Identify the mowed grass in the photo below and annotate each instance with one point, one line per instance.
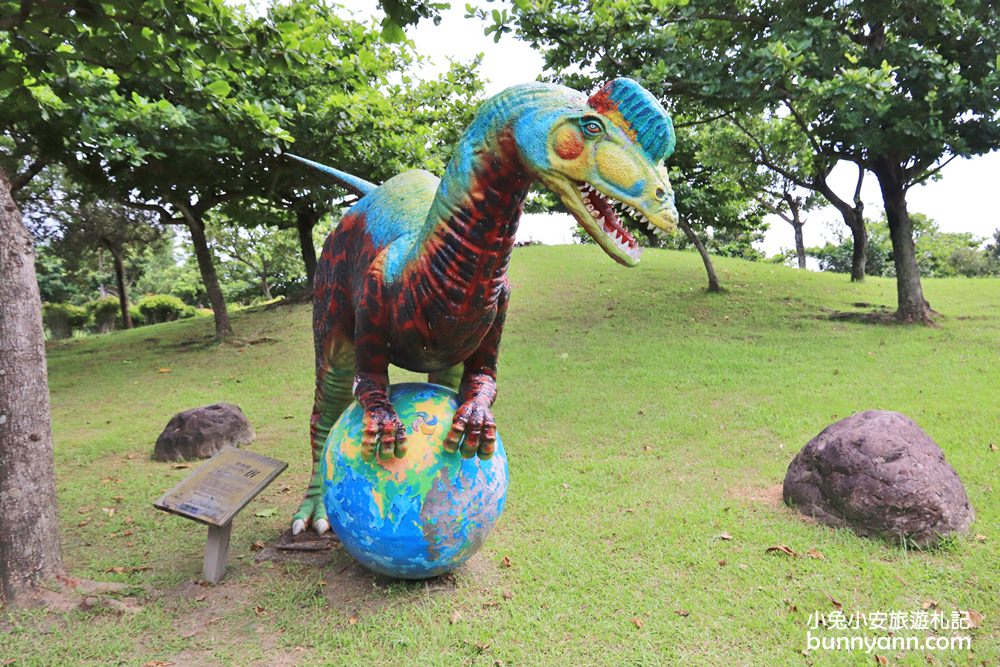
(645, 421)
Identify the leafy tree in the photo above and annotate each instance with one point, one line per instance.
(81, 227)
(260, 256)
(898, 88)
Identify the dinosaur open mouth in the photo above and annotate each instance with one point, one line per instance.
(605, 212)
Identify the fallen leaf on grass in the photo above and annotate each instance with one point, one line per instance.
(682, 612)
(980, 537)
(975, 618)
(353, 620)
(929, 604)
(505, 562)
(637, 622)
(181, 466)
(83, 523)
(836, 605)
(257, 546)
(158, 663)
(993, 447)
(881, 660)
(725, 536)
(508, 595)
(200, 598)
(722, 562)
(481, 646)
(455, 617)
(265, 513)
(492, 604)
(260, 611)
(782, 548)
(164, 370)
(816, 553)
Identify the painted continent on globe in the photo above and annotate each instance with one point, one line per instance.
(420, 515)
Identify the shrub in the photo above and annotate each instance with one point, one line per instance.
(62, 318)
(104, 312)
(157, 308)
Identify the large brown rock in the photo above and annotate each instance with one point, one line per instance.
(201, 432)
(880, 474)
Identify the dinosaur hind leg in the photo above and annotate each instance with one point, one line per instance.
(449, 377)
(334, 379)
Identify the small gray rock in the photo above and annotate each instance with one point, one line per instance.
(880, 474)
(201, 432)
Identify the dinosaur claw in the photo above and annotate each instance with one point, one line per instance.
(322, 526)
(298, 526)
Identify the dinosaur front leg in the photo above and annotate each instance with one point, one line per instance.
(384, 435)
(473, 428)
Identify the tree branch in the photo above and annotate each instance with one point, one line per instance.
(923, 177)
(768, 162)
(29, 173)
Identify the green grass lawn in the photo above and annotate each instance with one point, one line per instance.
(643, 419)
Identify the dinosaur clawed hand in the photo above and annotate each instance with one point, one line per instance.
(473, 430)
(384, 435)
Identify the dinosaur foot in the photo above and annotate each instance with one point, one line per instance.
(311, 513)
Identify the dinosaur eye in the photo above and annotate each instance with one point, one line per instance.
(592, 128)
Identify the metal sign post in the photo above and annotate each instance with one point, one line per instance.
(214, 493)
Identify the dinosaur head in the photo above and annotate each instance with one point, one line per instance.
(607, 152)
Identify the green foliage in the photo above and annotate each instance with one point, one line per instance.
(105, 313)
(258, 263)
(939, 254)
(156, 308)
(61, 319)
(401, 13)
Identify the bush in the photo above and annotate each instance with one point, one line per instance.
(104, 313)
(62, 318)
(157, 308)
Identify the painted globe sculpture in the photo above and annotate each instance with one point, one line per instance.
(420, 515)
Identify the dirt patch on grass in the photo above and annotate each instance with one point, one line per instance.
(358, 592)
(769, 496)
(355, 591)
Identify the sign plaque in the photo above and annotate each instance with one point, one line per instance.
(215, 492)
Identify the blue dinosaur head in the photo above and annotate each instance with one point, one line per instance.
(598, 152)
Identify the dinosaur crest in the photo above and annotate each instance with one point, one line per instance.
(636, 112)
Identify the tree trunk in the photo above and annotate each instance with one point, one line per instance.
(912, 307)
(859, 255)
(265, 288)
(713, 280)
(29, 527)
(122, 290)
(800, 246)
(206, 265)
(854, 218)
(304, 222)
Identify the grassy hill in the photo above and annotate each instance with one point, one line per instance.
(648, 424)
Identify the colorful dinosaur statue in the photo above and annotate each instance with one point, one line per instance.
(416, 272)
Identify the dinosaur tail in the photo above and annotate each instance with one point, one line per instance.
(355, 185)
